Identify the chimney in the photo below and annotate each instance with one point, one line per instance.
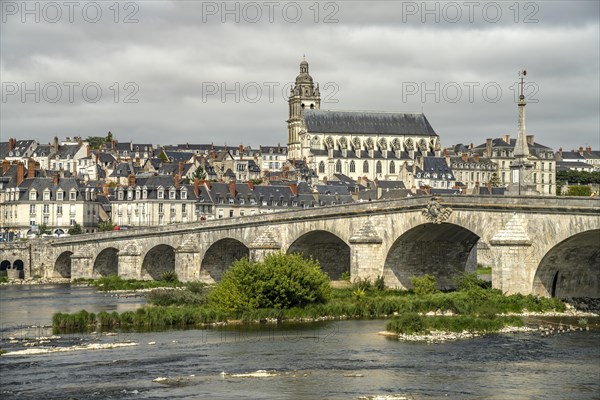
(197, 187)
(20, 173)
(88, 150)
(12, 143)
(5, 166)
(214, 154)
(488, 148)
(31, 169)
(476, 157)
(251, 185)
(529, 140)
(581, 151)
(465, 157)
(241, 151)
(560, 152)
(105, 189)
(113, 145)
(55, 145)
(489, 186)
(588, 149)
(176, 179)
(232, 188)
(294, 188)
(506, 138)
(97, 157)
(56, 178)
(131, 180)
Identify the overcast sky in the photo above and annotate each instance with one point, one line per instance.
(201, 71)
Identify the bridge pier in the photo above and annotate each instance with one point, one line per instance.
(188, 260)
(82, 264)
(130, 262)
(366, 254)
(513, 258)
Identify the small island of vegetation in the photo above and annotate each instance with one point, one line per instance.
(290, 288)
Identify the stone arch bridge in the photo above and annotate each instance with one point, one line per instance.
(548, 246)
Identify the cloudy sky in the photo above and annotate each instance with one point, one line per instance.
(202, 71)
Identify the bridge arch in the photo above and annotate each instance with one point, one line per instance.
(4, 265)
(106, 262)
(332, 252)
(441, 250)
(158, 260)
(62, 265)
(219, 257)
(571, 268)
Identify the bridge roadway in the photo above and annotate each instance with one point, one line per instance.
(548, 246)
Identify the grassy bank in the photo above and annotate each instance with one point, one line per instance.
(113, 282)
(189, 307)
(289, 288)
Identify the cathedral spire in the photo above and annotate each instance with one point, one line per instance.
(521, 148)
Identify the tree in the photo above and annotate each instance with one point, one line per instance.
(109, 137)
(279, 281)
(579, 191)
(199, 173)
(44, 229)
(95, 142)
(75, 229)
(105, 226)
(495, 180)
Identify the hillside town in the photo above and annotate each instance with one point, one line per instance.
(90, 184)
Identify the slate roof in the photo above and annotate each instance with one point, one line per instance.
(20, 149)
(43, 150)
(437, 165)
(367, 122)
(364, 155)
(67, 151)
(391, 184)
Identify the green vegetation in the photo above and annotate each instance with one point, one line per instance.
(424, 285)
(578, 177)
(199, 173)
(113, 282)
(483, 270)
(75, 229)
(413, 323)
(286, 287)
(579, 191)
(105, 226)
(3, 279)
(279, 281)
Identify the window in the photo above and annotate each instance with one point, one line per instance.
(172, 208)
(32, 209)
(59, 195)
(72, 222)
(72, 196)
(120, 195)
(220, 213)
(161, 207)
(378, 167)
(32, 195)
(352, 166)
(47, 195)
(338, 167)
(183, 208)
(171, 194)
(365, 167)
(321, 167)
(46, 208)
(161, 194)
(392, 168)
(230, 213)
(183, 195)
(59, 209)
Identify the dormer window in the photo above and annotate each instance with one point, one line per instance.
(130, 194)
(120, 195)
(145, 193)
(32, 195)
(72, 195)
(184, 194)
(59, 195)
(137, 194)
(161, 194)
(46, 195)
(172, 194)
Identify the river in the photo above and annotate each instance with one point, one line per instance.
(329, 360)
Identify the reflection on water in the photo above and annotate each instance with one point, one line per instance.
(329, 360)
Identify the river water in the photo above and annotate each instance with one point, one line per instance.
(329, 360)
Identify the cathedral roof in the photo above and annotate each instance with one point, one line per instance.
(367, 122)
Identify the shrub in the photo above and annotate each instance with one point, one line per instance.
(408, 323)
(169, 276)
(426, 284)
(363, 284)
(380, 283)
(279, 281)
(345, 276)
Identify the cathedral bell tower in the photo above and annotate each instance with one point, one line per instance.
(304, 95)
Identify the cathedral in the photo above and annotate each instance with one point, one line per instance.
(358, 144)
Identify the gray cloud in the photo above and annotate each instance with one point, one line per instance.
(369, 58)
